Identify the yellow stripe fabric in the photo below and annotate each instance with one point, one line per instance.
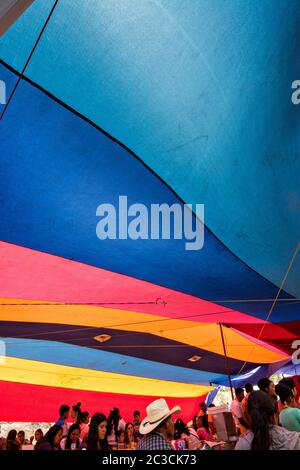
(54, 375)
(201, 335)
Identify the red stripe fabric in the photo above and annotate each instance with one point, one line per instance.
(25, 402)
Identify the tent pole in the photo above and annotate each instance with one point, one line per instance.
(226, 361)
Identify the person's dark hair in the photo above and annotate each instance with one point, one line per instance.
(11, 441)
(285, 393)
(211, 405)
(136, 412)
(195, 426)
(261, 409)
(63, 409)
(68, 440)
(11, 436)
(288, 382)
(39, 431)
(38, 443)
(113, 421)
(22, 433)
(51, 433)
(205, 425)
(77, 409)
(78, 405)
(93, 437)
(82, 416)
(248, 388)
(202, 404)
(238, 391)
(126, 432)
(181, 427)
(264, 383)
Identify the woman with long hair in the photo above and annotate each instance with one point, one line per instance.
(289, 416)
(38, 436)
(12, 442)
(264, 433)
(188, 434)
(52, 438)
(115, 423)
(121, 440)
(97, 437)
(21, 438)
(130, 439)
(72, 441)
(203, 430)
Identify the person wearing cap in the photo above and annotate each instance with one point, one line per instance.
(157, 428)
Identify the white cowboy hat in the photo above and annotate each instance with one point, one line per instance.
(157, 411)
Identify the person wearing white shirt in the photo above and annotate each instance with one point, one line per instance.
(237, 411)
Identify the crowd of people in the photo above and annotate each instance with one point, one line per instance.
(269, 418)
(262, 422)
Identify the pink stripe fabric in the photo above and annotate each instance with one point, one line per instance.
(30, 274)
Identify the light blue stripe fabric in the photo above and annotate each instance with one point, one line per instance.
(76, 356)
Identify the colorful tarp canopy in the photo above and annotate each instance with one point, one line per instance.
(141, 98)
